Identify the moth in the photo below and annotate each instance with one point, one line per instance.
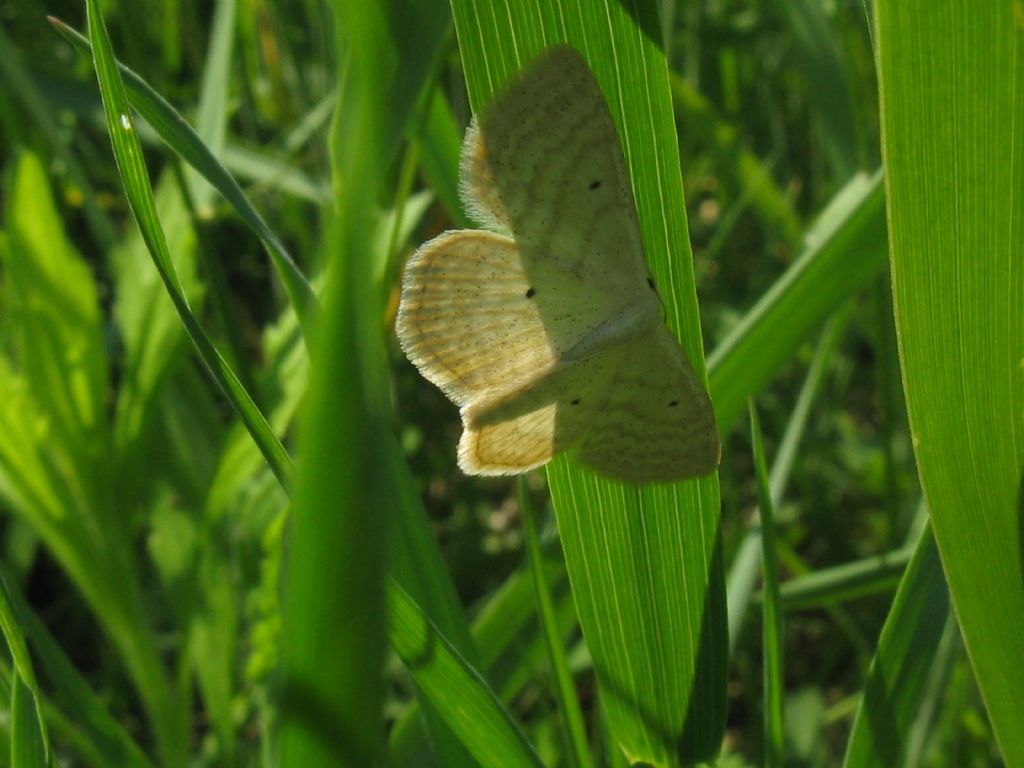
(545, 327)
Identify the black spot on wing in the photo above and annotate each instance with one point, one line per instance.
(530, 293)
(594, 185)
(673, 404)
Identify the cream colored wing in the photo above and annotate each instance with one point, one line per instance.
(478, 326)
(467, 318)
(657, 424)
(543, 161)
(526, 428)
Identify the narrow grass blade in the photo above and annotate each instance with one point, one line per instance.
(180, 137)
(28, 739)
(774, 692)
(848, 581)
(899, 674)
(128, 155)
(30, 745)
(746, 562)
(101, 733)
(458, 692)
(211, 116)
(568, 703)
(508, 647)
(439, 156)
(952, 106)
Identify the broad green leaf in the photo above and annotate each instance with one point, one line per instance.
(644, 563)
(952, 107)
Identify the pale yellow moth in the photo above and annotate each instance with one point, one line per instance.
(545, 329)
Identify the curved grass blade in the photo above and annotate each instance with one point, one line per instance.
(30, 744)
(457, 691)
(139, 193)
(848, 581)
(101, 733)
(28, 736)
(180, 137)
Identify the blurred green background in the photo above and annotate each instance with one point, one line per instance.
(162, 581)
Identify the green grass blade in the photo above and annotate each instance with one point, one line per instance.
(417, 565)
(456, 689)
(746, 563)
(952, 107)
(334, 636)
(128, 155)
(899, 674)
(211, 117)
(644, 564)
(849, 581)
(28, 740)
(774, 691)
(30, 744)
(844, 250)
(100, 733)
(152, 336)
(569, 707)
(509, 648)
(180, 137)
